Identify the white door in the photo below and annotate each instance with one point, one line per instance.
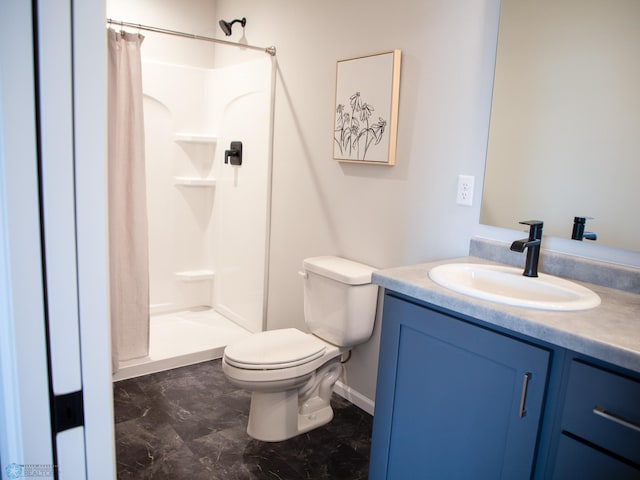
(54, 369)
(25, 436)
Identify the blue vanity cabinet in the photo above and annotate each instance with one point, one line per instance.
(600, 425)
(454, 399)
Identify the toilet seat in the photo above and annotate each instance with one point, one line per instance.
(275, 349)
(285, 355)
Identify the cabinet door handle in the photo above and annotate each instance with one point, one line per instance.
(600, 411)
(523, 396)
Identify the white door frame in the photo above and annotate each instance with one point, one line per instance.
(25, 426)
(25, 423)
(90, 127)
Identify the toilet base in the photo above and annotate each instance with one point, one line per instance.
(278, 416)
(313, 420)
(282, 420)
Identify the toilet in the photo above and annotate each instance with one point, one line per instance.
(290, 373)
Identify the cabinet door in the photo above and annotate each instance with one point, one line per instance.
(454, 400)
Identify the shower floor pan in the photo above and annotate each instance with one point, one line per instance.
(182, 338)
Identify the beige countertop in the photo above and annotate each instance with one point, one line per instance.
(609, 332)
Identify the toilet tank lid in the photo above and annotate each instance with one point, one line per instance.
(340, 269)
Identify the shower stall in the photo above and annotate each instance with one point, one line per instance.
(208, 217)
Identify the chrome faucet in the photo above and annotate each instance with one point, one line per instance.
(532, 244)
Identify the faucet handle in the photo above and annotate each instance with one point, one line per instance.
(535, 228)
(531, 222)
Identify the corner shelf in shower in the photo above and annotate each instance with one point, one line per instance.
(195, 138)
(194, 182)
(195, 275)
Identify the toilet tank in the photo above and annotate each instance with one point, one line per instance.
(339, 300)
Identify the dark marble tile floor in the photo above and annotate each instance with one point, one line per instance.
(189, 423)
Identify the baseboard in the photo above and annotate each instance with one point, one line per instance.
(354, 397)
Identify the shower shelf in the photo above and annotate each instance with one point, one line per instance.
(195, 275)
(194, 182)
(195, 138)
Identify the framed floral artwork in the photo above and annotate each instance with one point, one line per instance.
(366, 108)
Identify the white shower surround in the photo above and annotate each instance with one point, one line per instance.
(208, 222)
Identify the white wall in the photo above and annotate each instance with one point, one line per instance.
(383, 216)
(193, 16)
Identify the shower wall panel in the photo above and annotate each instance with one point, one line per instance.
(208, 222)
(242, 94)
(179, 215)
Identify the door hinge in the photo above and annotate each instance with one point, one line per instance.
(68, 411)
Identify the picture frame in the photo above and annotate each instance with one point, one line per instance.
(366, 108)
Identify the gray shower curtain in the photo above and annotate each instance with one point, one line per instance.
(128, 245)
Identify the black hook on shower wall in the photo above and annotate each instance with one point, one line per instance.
(233, 156)
(226, 26)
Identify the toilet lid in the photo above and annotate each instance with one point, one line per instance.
(274, 349)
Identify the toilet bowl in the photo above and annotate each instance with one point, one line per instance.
(279, 387)
(290, 373)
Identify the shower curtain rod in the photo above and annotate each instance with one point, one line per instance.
(270, 50)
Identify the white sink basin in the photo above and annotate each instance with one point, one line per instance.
(508, 286)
